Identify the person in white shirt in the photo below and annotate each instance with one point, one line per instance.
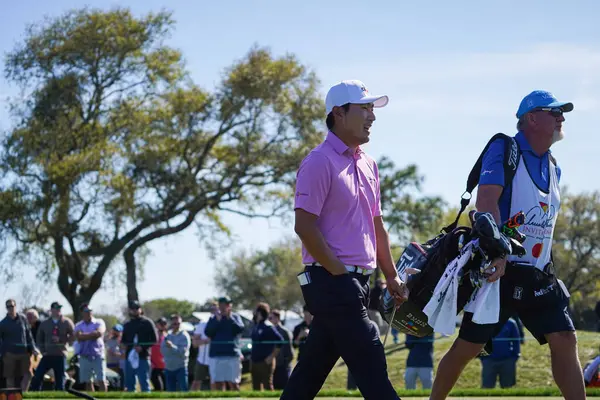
(202, 343)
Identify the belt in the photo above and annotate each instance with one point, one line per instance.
(548, 268)
(350, 268)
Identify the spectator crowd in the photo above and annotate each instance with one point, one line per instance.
(146, 355)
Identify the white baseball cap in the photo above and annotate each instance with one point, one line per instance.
(354, 92)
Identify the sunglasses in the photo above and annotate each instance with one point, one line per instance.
(555, 112)
(10, 306)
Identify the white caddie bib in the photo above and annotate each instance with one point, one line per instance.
(541, 212)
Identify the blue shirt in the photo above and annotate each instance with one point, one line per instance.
(492, 169)
(507, 344)
(421, 351)
(225, 336)
(264, 340)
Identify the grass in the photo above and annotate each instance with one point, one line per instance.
(533, 368)
(539, 392)
(534, 375)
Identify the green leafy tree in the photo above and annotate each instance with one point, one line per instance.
(157, 308)
(576, 252)
(407, 215)
(269, 276)
(115, 147)
(235, 150)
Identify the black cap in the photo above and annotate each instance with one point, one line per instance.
(134, 305)
(161, 320)
(225, 300)
(56, 305)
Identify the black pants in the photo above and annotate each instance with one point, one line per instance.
(54, 363)
(157, 377)
(281, 376)
(340, 328)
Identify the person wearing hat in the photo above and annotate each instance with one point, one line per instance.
(176, 351)
(339, 220)
(529, 287)
(89, 333)
(17, 345)
(53, 336)
(224, 329)
(139, 335)
(114, 356)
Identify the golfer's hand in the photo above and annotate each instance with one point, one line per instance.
(500, 266)
(398, 290)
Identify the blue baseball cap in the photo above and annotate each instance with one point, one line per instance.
(539, 99)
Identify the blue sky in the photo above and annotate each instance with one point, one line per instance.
(455, 73)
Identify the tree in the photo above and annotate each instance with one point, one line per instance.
(33, 295)
(115, 146)
(269, 276)
(232, 151)
(576, 251)
(407, 216)
(157, 308)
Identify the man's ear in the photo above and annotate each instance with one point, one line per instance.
(338, 112)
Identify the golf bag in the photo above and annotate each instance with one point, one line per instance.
(422, 265)
(430, 260)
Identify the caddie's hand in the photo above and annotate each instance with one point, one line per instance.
(496, 269)
(397, 289)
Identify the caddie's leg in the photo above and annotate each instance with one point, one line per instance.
(565, 364)
(566, 368)
(553, 325)
(452, 365)
(471, 339)
(549, 321)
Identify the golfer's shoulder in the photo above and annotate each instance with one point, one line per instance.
(317, 160)
(319, 154)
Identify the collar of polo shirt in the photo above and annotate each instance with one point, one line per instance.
(339, 146)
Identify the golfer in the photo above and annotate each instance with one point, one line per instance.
(338, 218)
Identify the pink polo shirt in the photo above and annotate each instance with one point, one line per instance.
(342, 189)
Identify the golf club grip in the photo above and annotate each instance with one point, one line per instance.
(79, 394)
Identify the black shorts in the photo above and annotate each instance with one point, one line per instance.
(531, 295)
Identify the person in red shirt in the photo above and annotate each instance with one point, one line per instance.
(157, 362)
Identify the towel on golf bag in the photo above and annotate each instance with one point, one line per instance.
(485, 303)
(441, 310)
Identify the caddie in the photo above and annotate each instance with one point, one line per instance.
(529, 287)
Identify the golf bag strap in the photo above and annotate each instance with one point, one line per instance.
(511, 161)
